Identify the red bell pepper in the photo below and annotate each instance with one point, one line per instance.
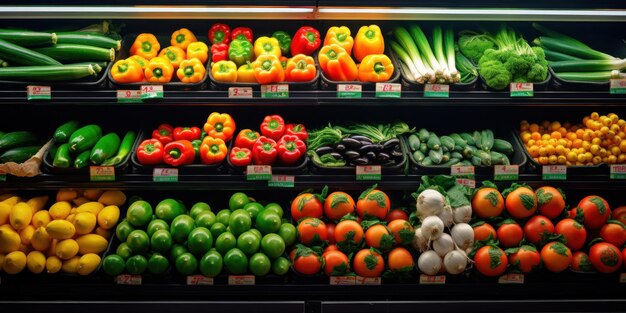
(219, 52)
(306, 40)
(240, 156)
(273, 127)
(187, 133)
(297, 130)
(179, 152)
(265, 151)
(163, 133)
(219, 33)
(150, 152)
(290, 149)
(246, 138)
(242, 31)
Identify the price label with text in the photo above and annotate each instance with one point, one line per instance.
(349, 91)
(258, 172)
(368, 172)
(511, 279)
(388, 90)
(554, 172)
(432, 280)
(618, 86)
(126, 279)
(284, 181)
(622, 278)
(241, 280)
(151, 92)
(462, 171)
(436, 91)
(165, 175)
(240, 92)
(522, 90)
(274, 91)
(129, 96)
(343, 280)
(367, 280)
(506, 172)
(3, 177)
(102, 173)
(38, 92)
(199, 280)
(618, 171)
(471, 183)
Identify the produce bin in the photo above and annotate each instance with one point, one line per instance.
(561, 84)
(538, 86)
(327, 84)
(297, 169)
(89, 83)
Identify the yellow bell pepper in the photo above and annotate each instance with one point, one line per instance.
(145, 45)
(159, 70)
(191, 71)
(198, 50)
(341, 36)
(375, 68)
(174, 54)
(127, 71)
(182, 38)
(245, 74)
(268, 70)
(141, 60)
(224, 71)
(369, 40)
(267, 45)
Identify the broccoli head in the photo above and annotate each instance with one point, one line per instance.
(474, 46)
(518, 65)
(495, 74)
(537, 73)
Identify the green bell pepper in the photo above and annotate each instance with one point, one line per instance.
(196, 147)
(284, 41)
(240, 51)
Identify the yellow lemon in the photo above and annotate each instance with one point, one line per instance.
(71, 218)
(92, 207)
(5, 211)
(80, 201)
(112, 197)
(9, 239)
(67, 249)
(93, 194)
(60, 210)
(88, 263)
(91, 243)
(66, 195)
(41, 218)
(20, 216)
(53, 247)
(38, 203)
(70, 266)
(26, 234)
(14, 262)
(108, 217)
(36, 262)
(106, 233)
(53, 264)
(84, 222)
(60, 229)
(40, 239)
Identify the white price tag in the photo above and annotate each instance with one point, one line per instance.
(275, 91)
(198, 280)
(618, 171)
(285, 181)
(258, 172)
(126, 279)
(622, 278)
(436, 91)
(368, 172)
(165, 175)
(349, 91)
(554, 172)
(102, 173)
(522, 90)
(343, 280)
(388, 90)
(467, 182)
(129, 96)
(241, 280)
(38, 92)
(511, 279)
(462, 171)
(367, 280)
(432, 280)
(618, 86)
(240, 92)
(151, 92)
(506, 172)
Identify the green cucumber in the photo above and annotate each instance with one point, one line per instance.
(63, 133)
(450, 162)
(423, 148)
(414, 142)
(498, 158)
(465, 163)
(445, 158)
(485, 157)
(427, 161)
(69, 53)
(433, 142)
(502, 146)
(85, 138)
(418, 156)
(125, 147)
(469, 139)
(458, 140)
(447, 142)
(62, 158)
(486, 139)
(19, 155)
(47, 73)
(423, 135)
(82, 159)
(105, 148)
(436, 156)
(476, 161)
(28, 38)
(477, 140)
(23, 56)
(88, 39)
(456, 155)
(17, 139)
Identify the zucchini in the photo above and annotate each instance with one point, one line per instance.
(456, 155)
(458, 140)
(446, 157)
(485, 157)
(418, 156)
(465, 163)
(125, 147)
(88, 39)
(77, 53)
(19, 155)
(63, 133)
(105, 148)
(486, 139)
(468, 138)
(28, 38)
(433, 142)
(62, 157)
(3, 63)
(423, 148)
(414, 142)
(82, 159)
(476, 161)
(85, 138)
(423, 135)
(47, 73)
(477, 139)
(447, 142)
(17, 139)
(427, 161)
(451, 162)
(436, 156)
(502, 146)
(102, 64)
(498, 158)
(23, 56)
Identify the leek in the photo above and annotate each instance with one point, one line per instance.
(599, 77)
(558, 56)
(577, 51)
(405, 40)
(588, 65)
(407, 62)
(437, 41)
(448, 44)
(422, 43)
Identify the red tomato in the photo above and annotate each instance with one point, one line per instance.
(368, 263)
(487, 202)
(349, 235)
(556, 256)
(550, 201)
(526, 259)
(575, 233)
(619, 214)
(396, 214)
(338, 204)
(490, 261)
(402, 231)
(335, 263)
(581, 262)
(614, 234)
(306, 205)
(331, 233)
(312, 231)
(596, 211)
(400, 259)
(484, 231)
(330, 248)
(510, 234)
(605, 257)
(521, 202)
(537, 229)
(373, 203)
(306, 261)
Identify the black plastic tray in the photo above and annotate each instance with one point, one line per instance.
(518, 157)
(84, 83)
(561, 84)
(299, 168)
(538, 86)
(327, 84)
(124, 53)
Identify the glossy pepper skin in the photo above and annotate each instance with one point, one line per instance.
(240, 51)
(240, 156)
(191, 71)
(375, 68)
(176, 55)
(196, 148)
(267, 45)
(290, 149)
(340, 35)
(198, 50)
(220, 125)
(300, 68)
(268, 70)
(337, 63)
(219, 33)
(306, 41)
(159, 70)
(146, 46)
(140, 60)
(242, 31)
(127, 71)
(264, 151)
(179, 152)
(245, 74)
(150, 152)
(187, 133)
(297, 130)
(369, 40)
(284, 41)
(246, 138)
(182, 38)
(224, 71)
(219, 52)
(164, 133)
(213, 150)
(273, 127)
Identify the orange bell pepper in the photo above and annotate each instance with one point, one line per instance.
(267, 45)
(267, 69)
(191, 71)
(175, 54)
(245, 74)
(337, 63)
(159, 70)
(375, 68)
(127, 71)
(143, 62)
(213, 150)
(145, 45)
(198, 50)
(300, 68)
(341, 36)
(182, 38)
(220, 125)
(369, 40)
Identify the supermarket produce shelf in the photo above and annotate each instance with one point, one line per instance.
(558, 4)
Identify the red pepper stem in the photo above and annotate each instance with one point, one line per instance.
(240, 155)
(149, 148)
(273, 124)
(290, 145)
(164, 132)
(175, 153)
(267, 147)
(310, 36)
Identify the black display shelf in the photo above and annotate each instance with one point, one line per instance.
(488, 4)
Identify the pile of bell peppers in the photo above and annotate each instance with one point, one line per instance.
(367, 46)
(276, 143)
(184, 59)
(178, 146)
(237, 57)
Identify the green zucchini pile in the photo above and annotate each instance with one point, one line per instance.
(479, 148)
(18, 146)
(78, 147)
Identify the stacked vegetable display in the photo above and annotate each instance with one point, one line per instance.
(68, 236)
(18, 146)
(236, 59)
